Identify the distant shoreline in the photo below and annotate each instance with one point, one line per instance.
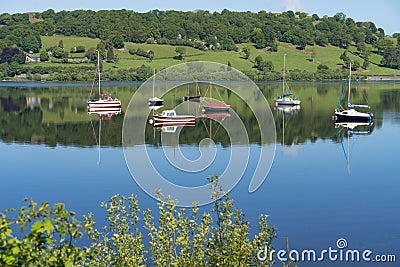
(383, 78)
(7, 83)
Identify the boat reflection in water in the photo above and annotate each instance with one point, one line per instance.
(286, 110)
(351, 129)
(216, 115)
(171, 128)
(152, 107)
(104, 115)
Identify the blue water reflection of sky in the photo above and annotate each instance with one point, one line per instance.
(309, 194)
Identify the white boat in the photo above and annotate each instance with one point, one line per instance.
(287, 99)
(353, 115)
(350, 114)
(169, 116)
(155, 101)
(104, 102)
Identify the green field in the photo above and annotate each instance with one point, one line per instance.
(164, 56)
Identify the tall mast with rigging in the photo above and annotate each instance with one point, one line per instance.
(283, 74)
(98, 69)
(348, 96)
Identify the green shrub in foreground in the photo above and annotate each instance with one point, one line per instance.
(131, 237)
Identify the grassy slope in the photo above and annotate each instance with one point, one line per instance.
(163, 56)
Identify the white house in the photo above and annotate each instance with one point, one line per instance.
(30, 58)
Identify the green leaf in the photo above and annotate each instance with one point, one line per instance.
(48, 226)
(36, 227)
(9, 260)
(15, 250)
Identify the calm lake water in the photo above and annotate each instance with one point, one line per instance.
(326, 182)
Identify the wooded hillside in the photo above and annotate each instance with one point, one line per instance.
(201, 30)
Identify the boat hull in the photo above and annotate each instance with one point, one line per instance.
(104, 110)
(174, 123)
(287, 102)
(160, 119)
(215, 110)
(104, 103)
(104, 106)
(353, 116)
(216, 107)
(156, 102)
(192, 98)
(169, 116)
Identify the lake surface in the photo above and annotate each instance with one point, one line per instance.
(326, 182)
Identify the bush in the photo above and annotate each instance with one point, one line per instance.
(132, 51)
(44, 56)
(78, 49)
(178, 237)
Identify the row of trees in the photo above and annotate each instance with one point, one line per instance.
(264, 71)
(72, 73)
(201, 28)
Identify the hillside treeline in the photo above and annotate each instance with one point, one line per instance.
(199, 29)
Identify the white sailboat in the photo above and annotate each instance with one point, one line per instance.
(104, 103)
(286, 98)
(155, 101)
(170, 117)
(350, 114)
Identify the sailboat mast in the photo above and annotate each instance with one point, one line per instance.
(348, 96)
(154, 79)
(98, 68)
(283, 74)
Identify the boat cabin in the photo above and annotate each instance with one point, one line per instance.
(169, 113)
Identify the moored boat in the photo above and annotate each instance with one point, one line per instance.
(214, 107)
(104, 102)
(287, 99)
(169, 116)
(155, 101)
(350, 114)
